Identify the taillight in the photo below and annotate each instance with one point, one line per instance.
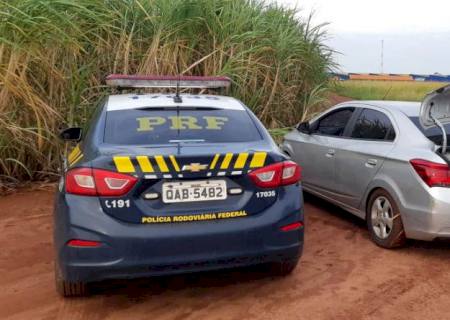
(112, 183)
(98, 182)
(81, 181)
(432, 173)
(277, 174)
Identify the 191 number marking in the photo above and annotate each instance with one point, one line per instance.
(117, 203)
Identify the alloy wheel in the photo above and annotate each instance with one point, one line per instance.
(382, 216)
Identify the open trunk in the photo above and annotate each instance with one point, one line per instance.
(435, 114)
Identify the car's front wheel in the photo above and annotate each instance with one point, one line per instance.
(384, 220)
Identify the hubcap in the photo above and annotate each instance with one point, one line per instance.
(382, 217)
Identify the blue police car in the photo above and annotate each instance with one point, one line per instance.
(170, 183)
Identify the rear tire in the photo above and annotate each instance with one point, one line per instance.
(384, 221)
(69, 288)
(283, 268)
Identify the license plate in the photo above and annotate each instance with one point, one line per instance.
(191, 191)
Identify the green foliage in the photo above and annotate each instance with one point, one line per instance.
(385, 90)
(54, 55)
(278, 133)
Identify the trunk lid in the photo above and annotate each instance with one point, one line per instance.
(435, 106)
(202, 163)
(435, 112)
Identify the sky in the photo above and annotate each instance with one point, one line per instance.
(416, 33)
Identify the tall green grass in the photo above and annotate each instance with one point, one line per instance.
(385, 90)
(54, 55)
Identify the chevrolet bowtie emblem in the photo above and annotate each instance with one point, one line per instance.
(194, 167)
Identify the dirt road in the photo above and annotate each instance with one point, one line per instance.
(342, 275)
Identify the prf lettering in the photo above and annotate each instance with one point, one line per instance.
(181, 123)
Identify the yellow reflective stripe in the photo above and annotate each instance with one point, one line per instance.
(226, 161)
(241, 160)
(145, 164)
(174, 163)
(76, 160)
(258, 159)
(123, 164)
(161, 164)
(75, 153)
(214, 162)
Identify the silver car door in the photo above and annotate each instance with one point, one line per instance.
(315, 154)
(360, 156)
(312, 152)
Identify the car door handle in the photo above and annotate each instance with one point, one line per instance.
(371, 163)
(330, 153)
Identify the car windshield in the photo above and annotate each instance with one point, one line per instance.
(172, 125)
(433, 133)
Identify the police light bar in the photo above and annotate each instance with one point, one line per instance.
(141, 81)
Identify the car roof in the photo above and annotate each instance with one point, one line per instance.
(136, 101)
(410, 109)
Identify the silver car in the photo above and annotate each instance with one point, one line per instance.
(384, 161)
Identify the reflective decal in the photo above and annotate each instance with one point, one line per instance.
(220, 165)
(174, 163)
(161, 163)
(147, 123)
(226, 161)
(241, 160)
(214, 162)
(75, 155)
(112, 204)
(266, 194)
(258, 160)
(194, 217)
(124, 164)
(76, 160)
(184, 122)
(181, 123)
(145, 164)
(215, 123)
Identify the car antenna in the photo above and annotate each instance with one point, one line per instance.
(177, 98)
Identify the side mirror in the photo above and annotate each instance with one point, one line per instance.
(71, 134)
(304, 127)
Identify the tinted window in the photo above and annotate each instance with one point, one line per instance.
(93, 119)
(373, 125)
(433, 133)
(334, 123)
(162, 126)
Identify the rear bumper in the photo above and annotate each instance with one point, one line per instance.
(432, 221)
(126, 267)
(130, 250)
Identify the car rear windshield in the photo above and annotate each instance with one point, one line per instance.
(172, 125)
(434, 133)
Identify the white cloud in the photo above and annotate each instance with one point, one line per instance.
(416, 33)
(378, 16)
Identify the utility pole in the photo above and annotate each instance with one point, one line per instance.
(382, 55)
